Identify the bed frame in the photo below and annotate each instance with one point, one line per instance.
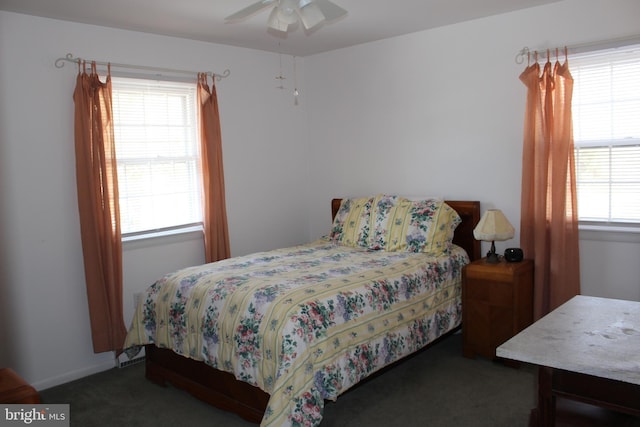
(221, 389)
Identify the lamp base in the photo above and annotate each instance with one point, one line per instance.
(492, 256)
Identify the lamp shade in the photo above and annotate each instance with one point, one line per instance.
(493, 226)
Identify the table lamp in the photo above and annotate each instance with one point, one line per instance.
(493, 226)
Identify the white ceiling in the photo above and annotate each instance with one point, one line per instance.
(367, 20)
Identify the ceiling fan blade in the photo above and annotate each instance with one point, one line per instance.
(249, 10)
(310, 15)
(330, 10)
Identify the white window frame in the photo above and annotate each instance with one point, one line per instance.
(149, 132)
(588, 138)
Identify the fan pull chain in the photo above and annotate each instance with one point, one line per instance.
(296, 93)
(280, 76)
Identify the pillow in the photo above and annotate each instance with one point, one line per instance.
(380, 216)
(413, 226)
(351, 224)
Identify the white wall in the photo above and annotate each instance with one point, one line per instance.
(44, 322)
(609, 264)
(389, 116)
(397, 115)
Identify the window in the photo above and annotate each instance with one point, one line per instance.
(606, 121)
(155, 129)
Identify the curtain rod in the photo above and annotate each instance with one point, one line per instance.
(69, 58)
(579, 48)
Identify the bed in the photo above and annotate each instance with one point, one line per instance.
(303, 325)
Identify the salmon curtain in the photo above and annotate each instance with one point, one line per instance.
(216, 234)
(97, 183)
(549, 217)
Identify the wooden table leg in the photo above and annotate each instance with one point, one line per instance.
(544, 415)
(597, 392)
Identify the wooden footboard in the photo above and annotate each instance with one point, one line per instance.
(221, 389)
(215, 387)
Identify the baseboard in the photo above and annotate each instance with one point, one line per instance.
(73, 375)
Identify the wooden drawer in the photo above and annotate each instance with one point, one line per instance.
(497, 303)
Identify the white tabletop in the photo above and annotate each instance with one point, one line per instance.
(588, 335)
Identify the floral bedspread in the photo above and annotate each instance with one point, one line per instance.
(304, 323)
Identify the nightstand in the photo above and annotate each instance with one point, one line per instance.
(497, 303)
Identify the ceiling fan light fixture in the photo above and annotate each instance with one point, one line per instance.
(286, 14)
(310, 15)
(287, 11)
(275, 23)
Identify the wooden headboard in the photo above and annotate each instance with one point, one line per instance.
(469, 212)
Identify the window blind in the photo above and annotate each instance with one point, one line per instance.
(155, 129)
(606, 120)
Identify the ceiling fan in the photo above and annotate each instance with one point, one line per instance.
(287, 13)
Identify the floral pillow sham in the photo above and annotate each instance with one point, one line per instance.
(351, 224)
(415, 226)
(393, 223)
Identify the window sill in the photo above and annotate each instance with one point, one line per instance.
(609, 233)
(161, 237)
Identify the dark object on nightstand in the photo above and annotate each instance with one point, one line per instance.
(497, 303)
(513, 254)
